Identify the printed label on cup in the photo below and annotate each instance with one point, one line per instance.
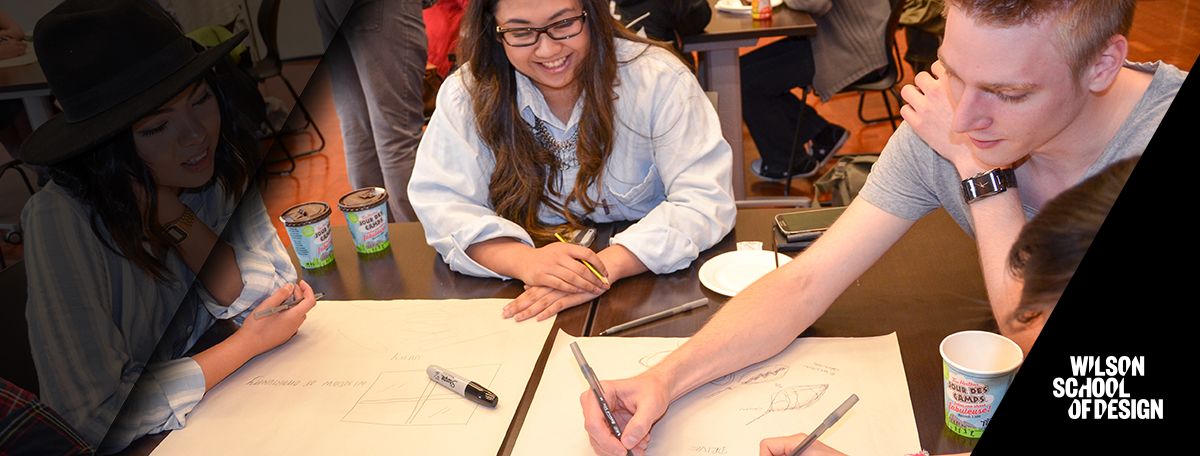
(366, 217)
(307, 225)
(977, 367)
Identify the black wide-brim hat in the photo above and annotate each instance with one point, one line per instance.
(110, 63)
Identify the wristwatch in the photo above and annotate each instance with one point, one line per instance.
(178, 230)
(988, 183)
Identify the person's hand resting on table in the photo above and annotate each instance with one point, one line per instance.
(10, 48)
(545, 301)
(11, 36)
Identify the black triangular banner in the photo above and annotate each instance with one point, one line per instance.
(1130, 297)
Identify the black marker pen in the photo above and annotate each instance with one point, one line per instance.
(465, 388)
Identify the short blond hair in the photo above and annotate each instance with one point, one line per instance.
(1083, 27)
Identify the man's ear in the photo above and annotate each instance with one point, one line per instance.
(1100, 74)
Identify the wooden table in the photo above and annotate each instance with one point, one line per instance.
(27, 83)
(719, 70)
(926, 287)
(410, 269)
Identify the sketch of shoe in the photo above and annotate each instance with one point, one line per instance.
(794, 398)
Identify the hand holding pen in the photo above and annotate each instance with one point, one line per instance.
(635, 404)
(808, 443)
(559, 275)
(262, 334)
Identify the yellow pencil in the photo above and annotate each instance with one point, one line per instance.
(585, 263)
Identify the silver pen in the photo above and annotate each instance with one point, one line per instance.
(282, 307)
(828, 423)
(655, 316)
(594, 383)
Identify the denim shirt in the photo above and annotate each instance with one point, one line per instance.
(106, 336)
(670, 168)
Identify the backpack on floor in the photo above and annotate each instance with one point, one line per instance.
(844, 181)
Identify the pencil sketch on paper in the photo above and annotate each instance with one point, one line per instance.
(794, 398)
(759, 375)
(410, 398)
(423, 327)
(656, 357)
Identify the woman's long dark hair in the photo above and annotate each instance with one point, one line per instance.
(108, 179)
(526, 175)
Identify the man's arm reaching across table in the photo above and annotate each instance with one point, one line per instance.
(756, 324)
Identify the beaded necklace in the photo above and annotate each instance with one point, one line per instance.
(564, 151)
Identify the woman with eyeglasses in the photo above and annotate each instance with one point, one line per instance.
(560, 117)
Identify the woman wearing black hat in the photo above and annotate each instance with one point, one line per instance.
(148, 161)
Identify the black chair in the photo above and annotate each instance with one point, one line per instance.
(16, 357)
(892, 74)
(14, 235)
(272, 66)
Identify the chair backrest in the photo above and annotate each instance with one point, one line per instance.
(268, 26)
(16, 357)
(893, 48)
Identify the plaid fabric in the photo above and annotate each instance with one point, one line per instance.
(29, 427)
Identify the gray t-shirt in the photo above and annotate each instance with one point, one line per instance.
(911, 180)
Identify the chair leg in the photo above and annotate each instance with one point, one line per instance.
(308, 121)
(288, 157)
(796, 145)
(287, 153)
(891, 117)
(307, 117)
(899, 104)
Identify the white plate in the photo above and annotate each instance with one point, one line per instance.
(736, 6)
(728, 273)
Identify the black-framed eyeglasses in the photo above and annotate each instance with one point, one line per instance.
(528, 36)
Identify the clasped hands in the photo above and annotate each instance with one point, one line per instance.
(556, 279)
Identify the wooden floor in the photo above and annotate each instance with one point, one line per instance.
(1167, 30)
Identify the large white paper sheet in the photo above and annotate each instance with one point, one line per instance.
(352, 381)
(789, 393)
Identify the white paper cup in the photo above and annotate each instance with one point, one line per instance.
(977, 367)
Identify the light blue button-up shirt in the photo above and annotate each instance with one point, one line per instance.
(95, 319)
(670, 168)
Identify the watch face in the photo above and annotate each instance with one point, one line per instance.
(177, 234)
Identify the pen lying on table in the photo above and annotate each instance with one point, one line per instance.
(655, 316)
(285, 306)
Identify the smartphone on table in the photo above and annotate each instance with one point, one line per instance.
(808, 224)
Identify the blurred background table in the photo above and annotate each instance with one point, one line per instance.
(718, 68)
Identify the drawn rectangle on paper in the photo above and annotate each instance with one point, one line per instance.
(789, 393)
(353, 381)
(410, 398)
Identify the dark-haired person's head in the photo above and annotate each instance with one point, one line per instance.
(1051, 246)
(568, 51)
(144, 111)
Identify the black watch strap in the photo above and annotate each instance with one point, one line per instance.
(988, 183)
